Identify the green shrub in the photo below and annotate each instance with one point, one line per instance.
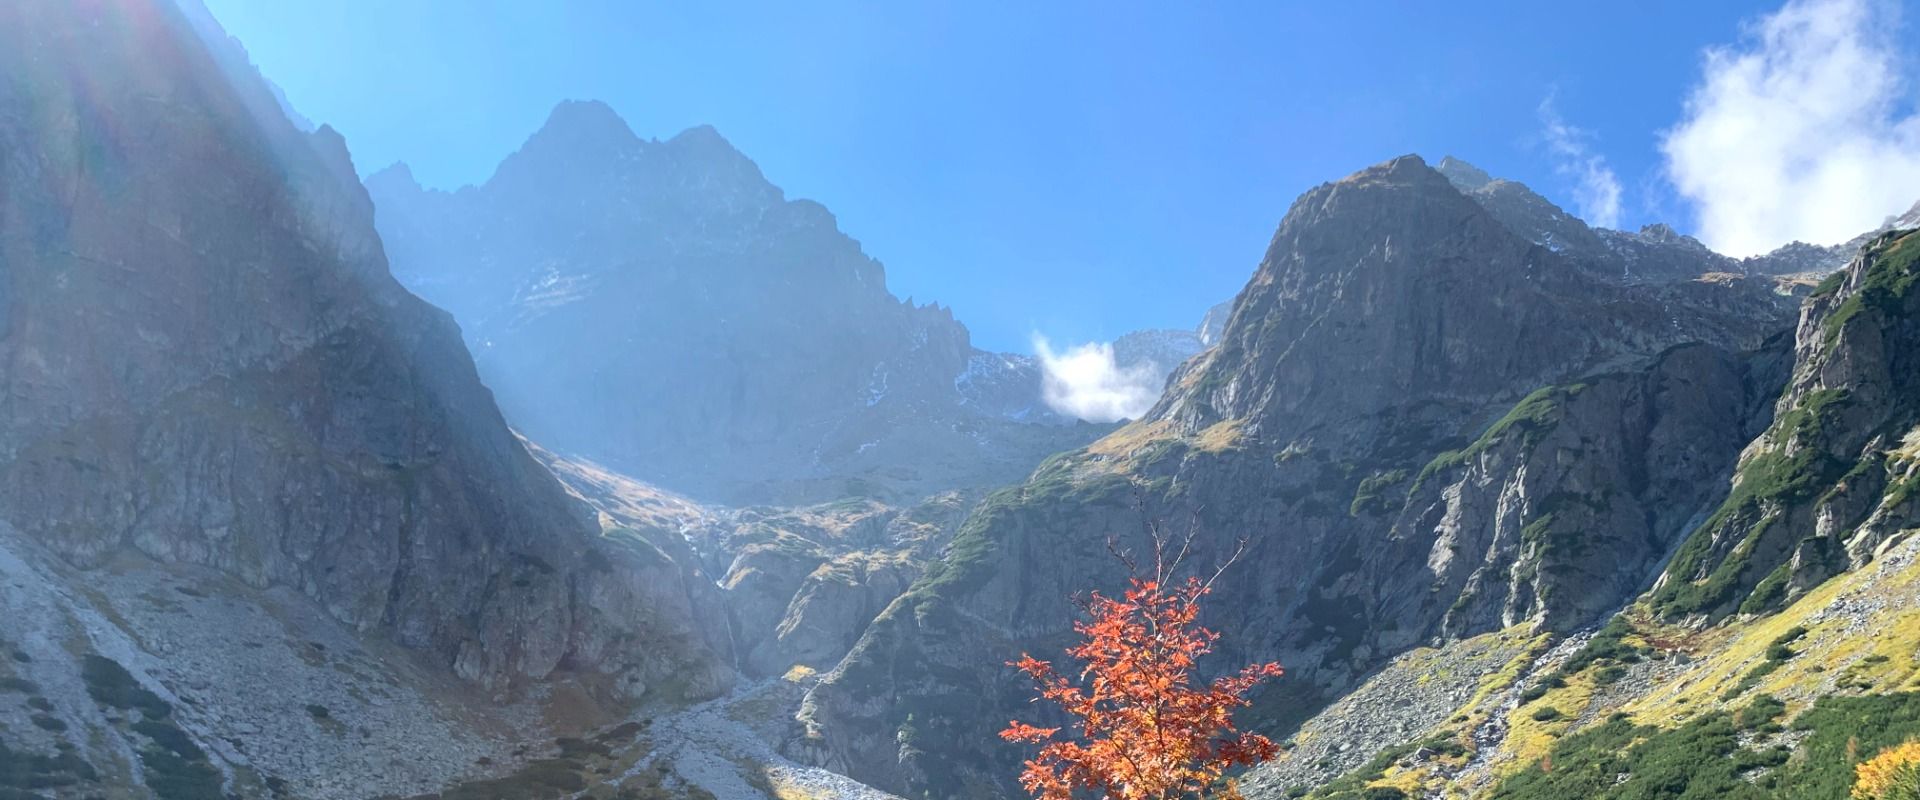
(174, 777)
(109, 684)
(1608, 648)
(170, 738)
(1533, 417)
(1704, 759)
(1371, 496)
(1790, 473)
(21, 772)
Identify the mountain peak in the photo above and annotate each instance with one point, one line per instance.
(586, 115)
(702, 136)
(578, 139)
(393, 176)
(1408, 165)
(1465, 176)
(1659, 230)
(576, 125)
(1409, 171)
(705, 144)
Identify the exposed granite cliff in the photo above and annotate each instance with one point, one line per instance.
(204, 363)
(1783, 635)
(1366, 423)
(1823, 488)
(660, 307)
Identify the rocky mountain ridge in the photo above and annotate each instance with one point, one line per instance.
(1163, 350)
(1655, 252)
(1418, 498)
(1775, 650)
(1822, 489)
(660, 307)
(242, 469)
(1532, 509)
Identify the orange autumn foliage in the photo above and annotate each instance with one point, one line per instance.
(1894, 774)
(1143, 729)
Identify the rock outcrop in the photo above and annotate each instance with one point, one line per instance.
(1366, 424)
(1573, 500)
(1782, 629)
(660, 307)
(1823, 488)
(792, 587)
(205, 363)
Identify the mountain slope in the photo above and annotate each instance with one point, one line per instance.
(1824, 487)
(209, 376)
(1369, 422)
(1776, 651)
(659, 307)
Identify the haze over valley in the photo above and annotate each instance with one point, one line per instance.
(619, 471)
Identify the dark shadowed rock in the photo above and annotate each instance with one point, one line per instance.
(206, 362)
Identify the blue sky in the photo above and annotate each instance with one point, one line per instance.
(1071, 169)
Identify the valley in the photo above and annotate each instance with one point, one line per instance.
(624, 475)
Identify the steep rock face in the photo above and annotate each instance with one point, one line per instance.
(788, 587)
(1828, 483)
(803, 583)
(834, 605)
(658, 306)
(1390, 288)
(206, 362)
(234, 61)
(1526, 213)
(1574, 498)
(1357, 425)
(1813, 547)
(1214, 324)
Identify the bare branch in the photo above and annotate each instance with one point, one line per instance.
(1113, 546)
(1239, 549)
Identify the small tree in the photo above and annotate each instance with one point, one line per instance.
(1143, 729)
(1894, 774)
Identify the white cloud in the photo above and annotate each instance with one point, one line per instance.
(1797, 132)
(1596, 192)
(1084, 381)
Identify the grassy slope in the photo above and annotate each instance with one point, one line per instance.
(1667, 711)
(1675, 711)
(1793, 473)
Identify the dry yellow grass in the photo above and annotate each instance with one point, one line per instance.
(1220, 436)
(1909, 449)
(1130, 438)
(1832, 647)
(1529, 739)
